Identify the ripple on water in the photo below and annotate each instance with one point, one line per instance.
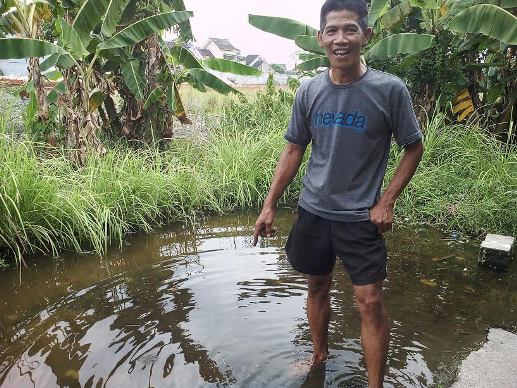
(202, 308)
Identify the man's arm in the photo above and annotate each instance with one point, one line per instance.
(285, 171)
(382, 213)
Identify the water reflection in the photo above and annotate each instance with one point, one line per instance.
(201, 307)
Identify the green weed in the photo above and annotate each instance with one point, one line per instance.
(467, 181)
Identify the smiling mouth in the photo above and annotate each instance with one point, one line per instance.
(341, 52)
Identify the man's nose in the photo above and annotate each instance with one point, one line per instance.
(340, 37)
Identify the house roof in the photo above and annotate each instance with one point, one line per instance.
(223, 44)
(257, 63)
(250, 59)
(206, 53)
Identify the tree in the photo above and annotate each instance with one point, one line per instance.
(24, 19)
(105, 47)
(424, 41)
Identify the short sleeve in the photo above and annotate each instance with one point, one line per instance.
(298, 130)
(404, 123)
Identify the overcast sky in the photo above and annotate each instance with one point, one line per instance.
(228, 19)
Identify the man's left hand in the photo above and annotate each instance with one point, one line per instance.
(381, 215)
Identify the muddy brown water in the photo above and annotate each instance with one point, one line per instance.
(200, 307)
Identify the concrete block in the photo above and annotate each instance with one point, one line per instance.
(496, 251)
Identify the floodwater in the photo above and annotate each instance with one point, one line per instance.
(200, 307)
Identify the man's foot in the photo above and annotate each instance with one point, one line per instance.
(315, 378)
(318, 360)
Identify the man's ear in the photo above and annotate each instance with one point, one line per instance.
(367, 36)
(319, 39)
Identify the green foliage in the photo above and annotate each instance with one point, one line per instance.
(436, 71)
(227, 66)
(467, 181)
(268, 109)
(36, 129)
(16, 48)
(286, 28)
(397, 44)
(141, 29)
(487, 19)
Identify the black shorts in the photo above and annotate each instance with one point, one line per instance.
(314, 242)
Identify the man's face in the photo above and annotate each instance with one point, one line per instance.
(342, 38)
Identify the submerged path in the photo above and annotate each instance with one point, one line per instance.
(494, 365)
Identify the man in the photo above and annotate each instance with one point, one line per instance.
(350, 114)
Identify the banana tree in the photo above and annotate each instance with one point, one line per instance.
(178, 65)
(149, 78)
(422, 39)
(23, 19)
(100, 47)
(441, 26)
(80, 51)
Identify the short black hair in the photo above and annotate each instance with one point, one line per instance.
(357, 6)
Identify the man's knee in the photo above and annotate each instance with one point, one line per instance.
(370, 303)
(319, 286)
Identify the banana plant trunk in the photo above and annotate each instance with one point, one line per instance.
(81, 124)
(151, 72)
(39, 88)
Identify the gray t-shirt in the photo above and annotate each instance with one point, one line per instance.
(350, 127)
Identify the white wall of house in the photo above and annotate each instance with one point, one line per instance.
(218, 53)
(234, 79)
(14, 67)
(214, 49)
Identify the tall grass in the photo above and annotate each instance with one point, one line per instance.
(467, 181)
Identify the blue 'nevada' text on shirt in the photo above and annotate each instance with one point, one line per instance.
(355, 120)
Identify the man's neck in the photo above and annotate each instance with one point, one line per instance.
(347, 76)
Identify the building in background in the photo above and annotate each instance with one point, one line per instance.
(14, 68)
(222, 48)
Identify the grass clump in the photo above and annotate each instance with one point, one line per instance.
(467, 181)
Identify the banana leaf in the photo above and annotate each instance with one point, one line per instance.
(154, 96)
(488, 20)
(17, 48)
(377, 9)
(89, 16)
(71, 40)
(226, 66)
(313, 64)
(140, 30)
(62, 61)
(424, 4)
(309, 43)
(112, 16)
(176, 105)
(396, 14)
(286, 28)
(397, 44)
(185, 28)
(210, 80)
(133, 78)
(185, 58)
(96, 99)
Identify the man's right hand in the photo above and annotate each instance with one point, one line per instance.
(264, 224)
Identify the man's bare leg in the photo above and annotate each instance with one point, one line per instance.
(375, 331)
(318, 314)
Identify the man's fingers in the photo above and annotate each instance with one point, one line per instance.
(256, 233)
(384, 227)
(269, 230)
